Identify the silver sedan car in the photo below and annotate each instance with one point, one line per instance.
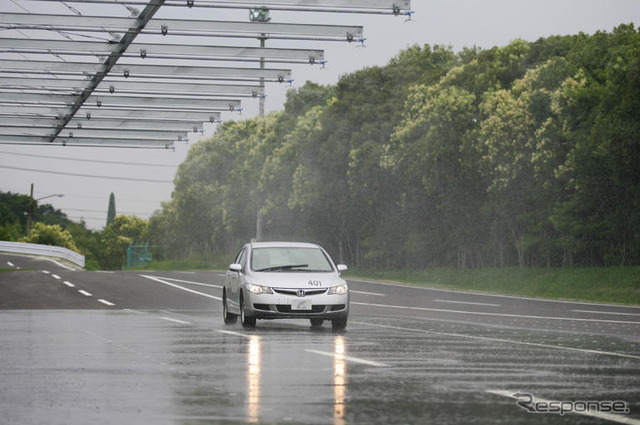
(285, 280)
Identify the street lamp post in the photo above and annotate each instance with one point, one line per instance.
(32, 206)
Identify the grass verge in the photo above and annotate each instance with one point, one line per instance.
(616, 285)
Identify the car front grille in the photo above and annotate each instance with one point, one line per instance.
(294, 292)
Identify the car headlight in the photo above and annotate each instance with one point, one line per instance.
(258, 289)
(338, 290)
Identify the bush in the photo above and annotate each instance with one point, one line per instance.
(44, 234)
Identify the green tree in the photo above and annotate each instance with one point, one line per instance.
(88, 243)
(599, 107)
(10, 231)
(14, 209)
(111, 212)
(116, 238)
(434, 145)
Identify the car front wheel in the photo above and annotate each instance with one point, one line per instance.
(339, 324)
(316, 322)
(247, 322)
(229, 318)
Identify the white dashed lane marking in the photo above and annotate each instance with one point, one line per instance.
(351, 359)
(605, 312)
(169, 319)
(234, 334)
(366, 293)
(83, 292)
(482, 313)
(500, 340)
(468, 303)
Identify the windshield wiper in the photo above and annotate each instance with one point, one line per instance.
(283, 268)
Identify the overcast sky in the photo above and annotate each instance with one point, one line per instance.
(142, 179)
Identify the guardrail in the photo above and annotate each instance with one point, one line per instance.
(45, 250)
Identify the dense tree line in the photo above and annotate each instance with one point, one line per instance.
(527, 155)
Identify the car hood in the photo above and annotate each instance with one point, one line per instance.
(297, 280)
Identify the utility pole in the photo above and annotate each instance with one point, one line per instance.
(30, 210)
(32, 206)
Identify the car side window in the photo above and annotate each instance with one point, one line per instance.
(242, 258)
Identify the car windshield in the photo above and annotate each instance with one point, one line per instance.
(289, 259)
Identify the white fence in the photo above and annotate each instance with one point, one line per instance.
(45, 250)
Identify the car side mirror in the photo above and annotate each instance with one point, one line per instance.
(235, 268)
(342, 268)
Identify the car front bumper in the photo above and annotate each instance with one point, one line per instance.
(277, 306)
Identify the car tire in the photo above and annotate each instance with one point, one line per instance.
(229, 318)
(316, 322)
(247, 321)
(339, 324)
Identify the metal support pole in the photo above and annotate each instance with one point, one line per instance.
(263, 38)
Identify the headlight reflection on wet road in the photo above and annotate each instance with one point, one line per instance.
(254, 379)
(339, 381)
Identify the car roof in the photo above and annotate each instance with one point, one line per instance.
(283, 244)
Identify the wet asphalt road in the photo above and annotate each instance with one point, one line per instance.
(150, 347)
